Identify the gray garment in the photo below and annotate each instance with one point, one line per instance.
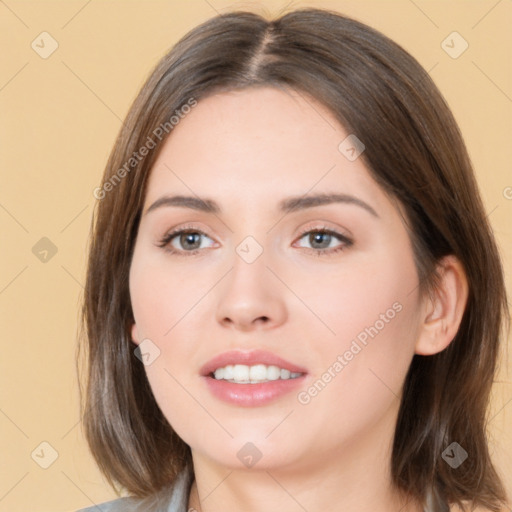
(172, 499)
(176, 500)
(436, 503)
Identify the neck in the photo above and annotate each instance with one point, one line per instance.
(354, 478)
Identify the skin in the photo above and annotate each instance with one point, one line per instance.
(248, 150)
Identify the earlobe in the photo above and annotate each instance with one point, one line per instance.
(443, 312)
(135, 334)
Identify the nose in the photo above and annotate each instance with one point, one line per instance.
(251, 297)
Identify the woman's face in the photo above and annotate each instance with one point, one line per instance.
(341, 308)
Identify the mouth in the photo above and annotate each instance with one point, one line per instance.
(251, 378)
(255, 374)
(245, 367)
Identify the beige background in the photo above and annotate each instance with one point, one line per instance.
(59, 118)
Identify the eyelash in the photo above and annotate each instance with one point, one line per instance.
(165, 241)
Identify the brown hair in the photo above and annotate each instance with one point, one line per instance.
(413, 149)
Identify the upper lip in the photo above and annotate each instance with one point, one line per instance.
(249, 358)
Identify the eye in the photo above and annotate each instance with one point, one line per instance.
(323, 237)
(187, 237)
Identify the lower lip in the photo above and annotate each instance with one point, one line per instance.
(252, 395)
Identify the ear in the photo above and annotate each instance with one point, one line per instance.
(442, 313)
(135, 334)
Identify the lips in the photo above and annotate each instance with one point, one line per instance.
(248, 358)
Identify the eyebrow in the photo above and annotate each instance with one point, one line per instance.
(288, 205)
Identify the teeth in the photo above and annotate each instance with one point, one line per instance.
(243, 374)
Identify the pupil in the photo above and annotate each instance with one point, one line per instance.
(320, 235)
(189, 237)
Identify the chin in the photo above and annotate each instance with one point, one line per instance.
(246, 453)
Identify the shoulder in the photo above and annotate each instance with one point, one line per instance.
(170, 499)
(455, 508)
(117, 505)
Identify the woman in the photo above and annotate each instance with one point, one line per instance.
(255, 369)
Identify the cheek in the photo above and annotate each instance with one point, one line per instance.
(360, 370)
(368, 311)
(164, 303)
(161, 296)
(361, 294)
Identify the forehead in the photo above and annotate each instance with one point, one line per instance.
(258, 143)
